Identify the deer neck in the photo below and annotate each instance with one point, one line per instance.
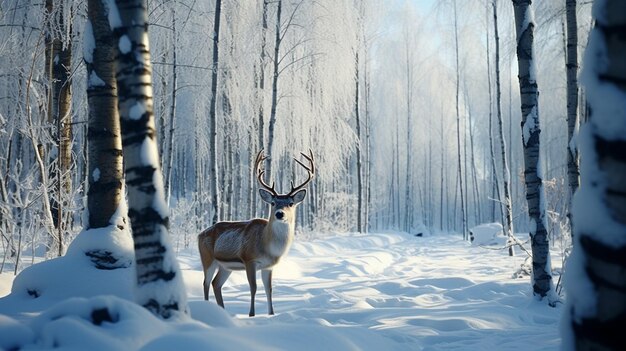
(278, 236)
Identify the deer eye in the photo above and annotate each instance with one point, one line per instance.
(291, 204)
(273, 203)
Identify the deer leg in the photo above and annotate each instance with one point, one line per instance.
(251, 273)
(266, 276)
(208, 275)
(218, 282)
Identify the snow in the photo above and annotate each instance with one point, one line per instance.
(95, 80)
(530, 125)
(124, 44)
(96, 174)
(488, 234)
(380, 291)
(89, 42)
(115, 21)
(150, 157)
(137, 110)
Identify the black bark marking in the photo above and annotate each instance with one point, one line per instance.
(97, 133)
(164, 310)
(106, 260)
(104, 187)
(156, 274)
(600, 335)
(102, 315)
(611, 149)
(142, 179)
(603, 252)
(144, 221)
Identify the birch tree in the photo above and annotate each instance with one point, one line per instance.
(278, 37)
(58, 68)
(359, 161)
(458, 125)
(160, 287)
(105, 140)
(213, 174)
(508, 204)
(596, 284)
(572, 95)
(541, 278)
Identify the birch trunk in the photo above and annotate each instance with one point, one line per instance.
(368, 167)
(596, 287)
(508, 206)
(458, 126)
(272, 121)
(160, 287)
(359, 171)
(573, 173)
(105, 172)
(496, 183)
(541, 272)
(172, 114)
(213, 175)
(58, 68)
(408, 184)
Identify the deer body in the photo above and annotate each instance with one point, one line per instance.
(253, 245)
(232, 244)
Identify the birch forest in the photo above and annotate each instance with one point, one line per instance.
(411, 108)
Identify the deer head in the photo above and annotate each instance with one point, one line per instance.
(283, 205)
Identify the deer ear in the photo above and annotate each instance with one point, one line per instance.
(299, 196)
(266, 196)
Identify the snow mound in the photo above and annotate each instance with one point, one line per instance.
(487, 234)
(109, 323)
(98, 262)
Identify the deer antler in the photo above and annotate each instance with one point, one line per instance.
(260, 157)
(310, 169)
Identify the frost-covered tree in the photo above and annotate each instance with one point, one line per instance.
(573, 172)
(58, 66)
(458, 126)
(506, 174)
(529, 95)
(596, 273)
(213, 168)
(160, 287)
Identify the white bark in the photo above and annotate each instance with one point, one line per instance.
(542, 272)
(160, 287)
(596, 284)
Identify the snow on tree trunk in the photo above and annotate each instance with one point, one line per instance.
(160, 287)
(541, 278)
(596, 271)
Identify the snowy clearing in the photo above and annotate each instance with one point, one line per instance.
(349, 291)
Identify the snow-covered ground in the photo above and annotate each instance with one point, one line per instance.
(383, 291)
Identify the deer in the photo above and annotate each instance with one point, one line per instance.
(256, 244)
